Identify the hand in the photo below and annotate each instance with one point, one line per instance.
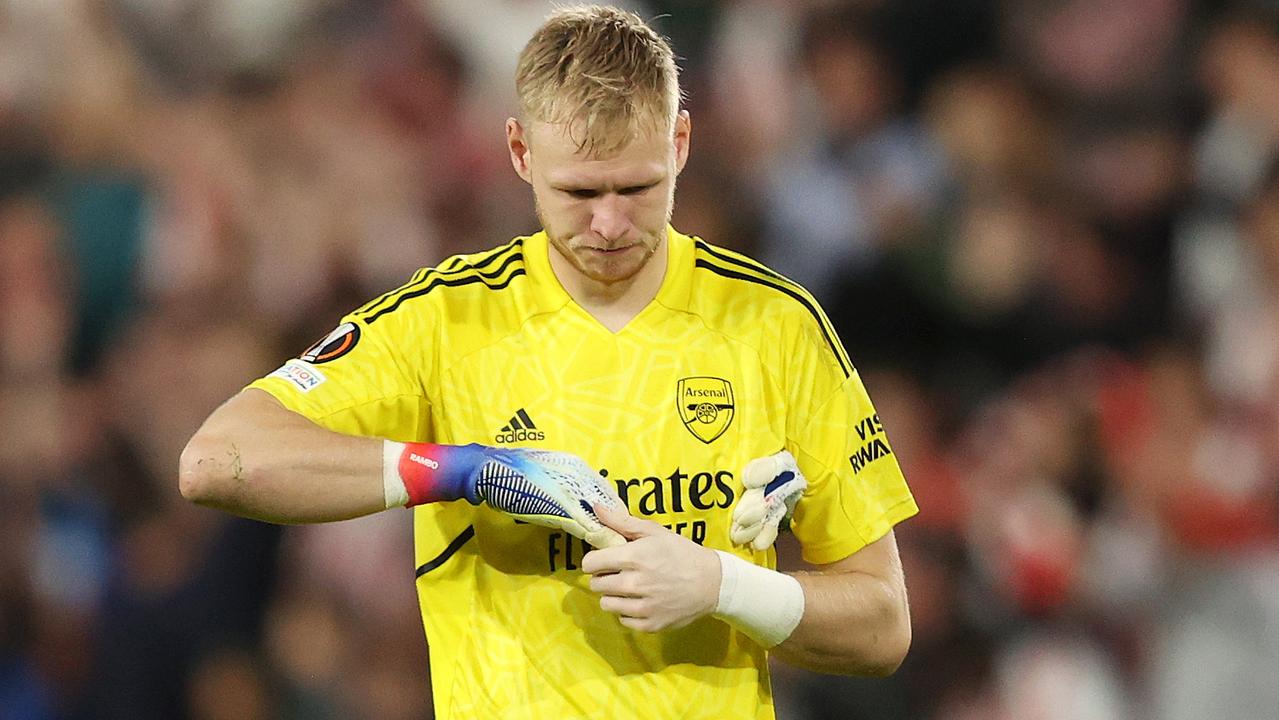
(773, 485)
(656, 581)
(552, 489)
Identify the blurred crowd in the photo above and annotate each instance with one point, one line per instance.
(1046, 230)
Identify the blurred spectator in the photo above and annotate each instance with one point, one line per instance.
(857, 175)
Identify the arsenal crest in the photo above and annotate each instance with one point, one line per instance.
(705, 405)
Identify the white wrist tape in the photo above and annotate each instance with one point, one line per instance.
(764, 604)
(393, 490)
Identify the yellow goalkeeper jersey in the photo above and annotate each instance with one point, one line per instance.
(729, 362)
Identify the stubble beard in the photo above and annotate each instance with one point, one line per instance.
(563, 244)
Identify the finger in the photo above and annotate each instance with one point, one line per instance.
(751, 508)
(742, 534)
(608, 560)
(759, 472)
(604, 538)
(568, 525)
(586, 525)
(766, 537)
(614, 584)
(625, 524)
(610, 489)
(627, 607)
(599, 536)
(640, 624)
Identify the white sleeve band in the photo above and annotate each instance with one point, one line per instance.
(764, 604)
(393, 489)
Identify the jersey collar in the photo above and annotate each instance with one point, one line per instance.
(673, 294)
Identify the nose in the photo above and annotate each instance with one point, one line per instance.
(609, 218)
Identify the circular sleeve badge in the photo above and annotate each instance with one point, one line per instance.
(334, 345)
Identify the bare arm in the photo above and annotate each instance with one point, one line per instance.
(256, 458)
(856, 619)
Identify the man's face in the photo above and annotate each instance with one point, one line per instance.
(605, 215)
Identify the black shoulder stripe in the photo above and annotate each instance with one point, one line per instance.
(455, 265)
(417, 277)
(446, 282)
(783, 288)
(448, 552)
(485, 272)
(746, 263)
(740, 261)
(515, 248)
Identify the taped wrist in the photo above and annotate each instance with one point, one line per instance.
(418, 473)
(764, 604)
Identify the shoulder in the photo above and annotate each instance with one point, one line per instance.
(720, 271)
(457, 282)
(738, 295)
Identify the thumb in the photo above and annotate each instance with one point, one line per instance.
(766, 537)
(760, 471)
(625, 524)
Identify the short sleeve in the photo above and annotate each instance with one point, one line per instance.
(856, 491)
(364, 377)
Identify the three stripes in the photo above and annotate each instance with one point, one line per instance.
(519, 421)
(488, 269)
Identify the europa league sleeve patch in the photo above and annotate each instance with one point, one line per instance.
(334, 345)
(305, 377)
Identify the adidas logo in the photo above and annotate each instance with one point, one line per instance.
(519, 429)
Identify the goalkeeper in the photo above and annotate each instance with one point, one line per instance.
(599, 428)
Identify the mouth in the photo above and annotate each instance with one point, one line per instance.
(610, 251)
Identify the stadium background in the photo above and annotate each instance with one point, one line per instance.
(1047, 231)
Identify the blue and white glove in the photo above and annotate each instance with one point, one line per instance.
(543, 487)
(773, 485)
(553, 489)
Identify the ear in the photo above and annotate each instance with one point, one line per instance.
(683, 130)
(517, 143)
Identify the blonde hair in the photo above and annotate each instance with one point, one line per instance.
(602, 73)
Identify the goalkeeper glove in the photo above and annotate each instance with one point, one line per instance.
(773, 485)
(547, 488)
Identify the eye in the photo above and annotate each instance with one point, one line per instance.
(636, 189)
(582, 193)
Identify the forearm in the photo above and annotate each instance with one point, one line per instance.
(853, 624)
(282, 467)
(849, 617)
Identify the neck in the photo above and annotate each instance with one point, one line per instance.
(613, 304)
